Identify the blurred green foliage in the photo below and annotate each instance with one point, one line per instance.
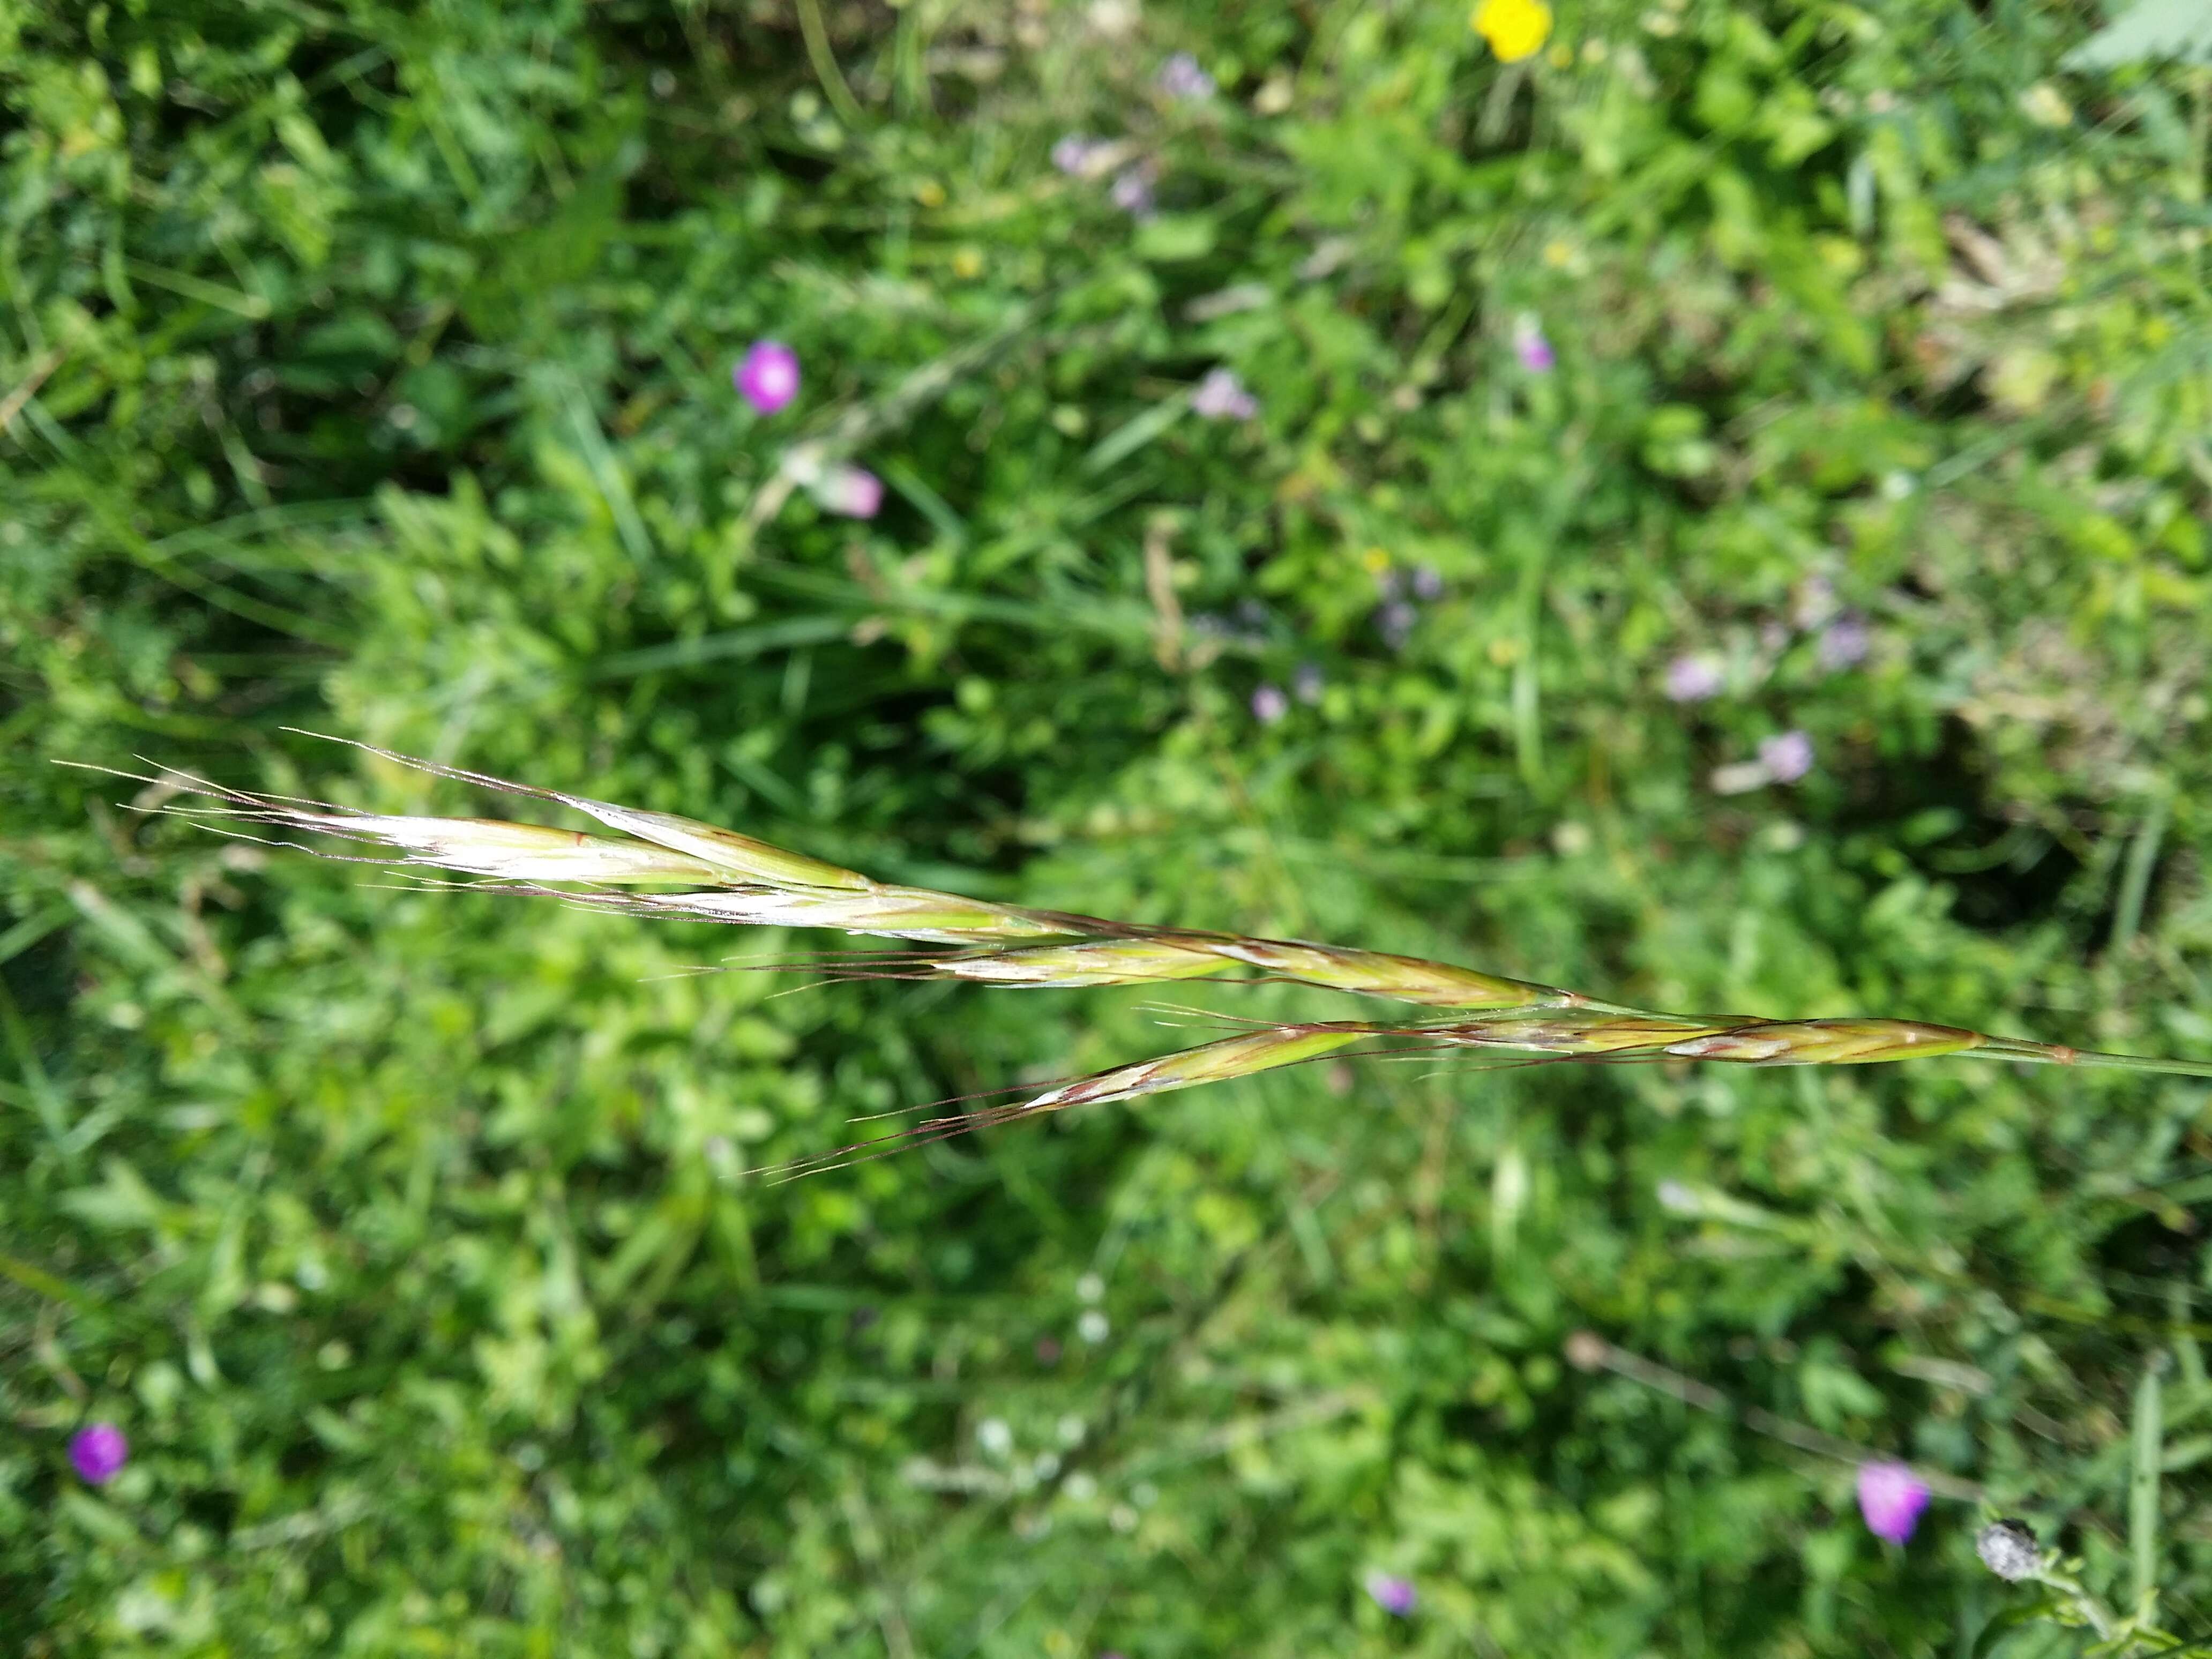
(366, 369)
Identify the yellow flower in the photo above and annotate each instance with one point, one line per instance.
(1515, 29)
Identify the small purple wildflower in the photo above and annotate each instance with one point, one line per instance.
(1534, 350)
(1845, 643)
(1394, 1595)
(851, 492)
(1181, 77)
(1072, 154)
(1306, 684)
(1222, 396)
(1269, 704)
(1693, 680)
(1891, 1496)
(1133, 193)
(767, 375)
(98, 1453)
(1396, 620)
(1788, 758)
(1428, 584)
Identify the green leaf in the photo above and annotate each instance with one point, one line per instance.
(1174, 236)
(2009, 1621)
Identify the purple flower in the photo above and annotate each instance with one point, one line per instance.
(1534, 350)
(1693, 679)
(1394, 1594)
(1788, 758)
(1073, 155)
(1181, 77)
(1845, 643)
(1891, 1496)
(767, 375)
(1133, 193)
(99, 1452)
(852, 492)
(1396, 620)
(1306, 684)
(1222, 396)
(1269, 705)
(1427, 584)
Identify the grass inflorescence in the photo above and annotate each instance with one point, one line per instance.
(720, 875)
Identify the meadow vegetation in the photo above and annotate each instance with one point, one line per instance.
(1710, 513)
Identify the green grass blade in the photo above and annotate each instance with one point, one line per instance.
(2134, 879)
(2142, 1487)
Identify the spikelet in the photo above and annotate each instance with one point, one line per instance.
(1242, 1055)
(526, 852)
(1091, 961)
(914, 913)
(1826, 1043)
(1574, 1032)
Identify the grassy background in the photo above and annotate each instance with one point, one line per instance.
(366, 369)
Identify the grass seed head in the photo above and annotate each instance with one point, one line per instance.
(1826, 1043)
